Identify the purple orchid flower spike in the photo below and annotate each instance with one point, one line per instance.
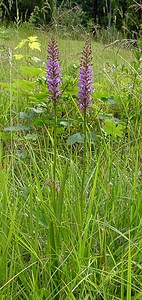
(85, 78)
(53, 70)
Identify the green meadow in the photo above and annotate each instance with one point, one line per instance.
(73, 238)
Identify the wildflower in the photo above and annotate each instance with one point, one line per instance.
(53, 70)
(85, 78)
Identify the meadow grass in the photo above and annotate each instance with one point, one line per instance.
(74, 245)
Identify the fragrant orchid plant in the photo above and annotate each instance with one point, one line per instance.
(85, 92)
(54, 80)
(53, 70)
(85, 78)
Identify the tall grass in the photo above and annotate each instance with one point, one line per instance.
(71, 249)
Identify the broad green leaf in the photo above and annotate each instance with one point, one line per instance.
(21, 44)
(31, 71)
(16, 128)
(18, 56)
(24, 84)
(109, 100)
(25, 116)
(91, 136)
(40, 121)
(75, 138)
(39, 96)
(110, 117)
(112, 128)
(38, 110)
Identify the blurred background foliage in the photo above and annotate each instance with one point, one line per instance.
(117, 17)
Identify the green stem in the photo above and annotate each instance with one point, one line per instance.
(84, 154)
(53, 225)
(55, 153)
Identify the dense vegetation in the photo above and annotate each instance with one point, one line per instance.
(78, 237)
(120, 17)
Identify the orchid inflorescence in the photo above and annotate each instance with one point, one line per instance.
(53, 70)
(54, 77)
(85, 78)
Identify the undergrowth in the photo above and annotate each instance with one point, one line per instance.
(74, 246)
